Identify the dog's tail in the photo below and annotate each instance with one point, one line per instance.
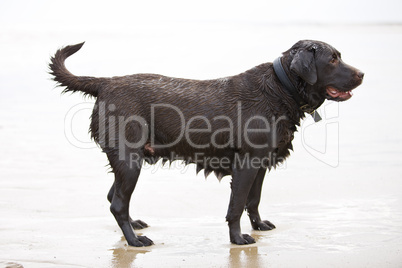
(85, 84)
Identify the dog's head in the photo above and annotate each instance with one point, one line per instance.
(322, 68)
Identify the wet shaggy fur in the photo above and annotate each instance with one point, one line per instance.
(136, 116)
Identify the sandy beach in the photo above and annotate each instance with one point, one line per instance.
(336, 202)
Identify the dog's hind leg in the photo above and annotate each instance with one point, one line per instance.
(126, 177)
(253, 200)
(138, 224)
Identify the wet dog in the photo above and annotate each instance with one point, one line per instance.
(240, 126)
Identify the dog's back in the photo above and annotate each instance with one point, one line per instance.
(174, 117)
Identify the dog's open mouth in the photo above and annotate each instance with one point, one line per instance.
(337, 95)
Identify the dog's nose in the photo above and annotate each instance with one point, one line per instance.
(360, 74)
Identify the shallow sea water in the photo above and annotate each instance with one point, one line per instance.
(336, 202)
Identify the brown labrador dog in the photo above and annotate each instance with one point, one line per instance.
(239, 126)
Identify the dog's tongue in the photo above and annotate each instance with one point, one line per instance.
(336, 94)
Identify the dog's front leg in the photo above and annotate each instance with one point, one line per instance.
(253, 201)
(242, 180)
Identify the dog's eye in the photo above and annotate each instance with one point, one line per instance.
(334, 58)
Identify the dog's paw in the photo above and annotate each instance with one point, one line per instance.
(138, 224)
(243, 239)
(141, 241)
(145, 241)
(263, 225)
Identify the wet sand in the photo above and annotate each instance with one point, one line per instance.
(341, 208)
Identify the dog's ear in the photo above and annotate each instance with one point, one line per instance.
(303, 64)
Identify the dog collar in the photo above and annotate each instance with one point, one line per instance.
(305, 107)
